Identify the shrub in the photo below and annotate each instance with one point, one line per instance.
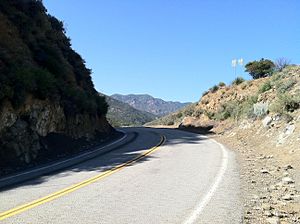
(281, 63)
(170, 123)
(265, 87)
(214, 89)
(286, 103)
(179, 115)
(197, 113)
(260, 69)
(210, 114)
(244, 85)
(238, 80)
(236, 110)
(221, 84)
(230, 109)
(284, 86)
(260, 109)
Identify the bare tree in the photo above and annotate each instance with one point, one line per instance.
(281, 63)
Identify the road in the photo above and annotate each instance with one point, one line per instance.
(187, 179)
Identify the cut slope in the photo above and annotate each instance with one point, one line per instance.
(45, 87)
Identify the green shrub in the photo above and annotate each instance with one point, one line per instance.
(221, 84)
(210, 114)
(236, 110)
(198, 113)
(179, 115)
(285, 85)
(238, 81)
(265, 87)
(286, 103)
(214, 89)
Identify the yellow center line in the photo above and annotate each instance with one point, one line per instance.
(35, 203)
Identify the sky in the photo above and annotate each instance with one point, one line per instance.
(176, 49)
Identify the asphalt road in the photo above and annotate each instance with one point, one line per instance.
(188, 179)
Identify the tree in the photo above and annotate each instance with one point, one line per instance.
(260, 69)
(281, 63)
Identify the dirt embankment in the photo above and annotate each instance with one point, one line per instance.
(269, 156)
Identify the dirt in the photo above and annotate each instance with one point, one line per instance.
(266, 166)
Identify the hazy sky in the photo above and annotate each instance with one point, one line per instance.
(176, 49)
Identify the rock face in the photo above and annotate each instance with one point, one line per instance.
(22, 129)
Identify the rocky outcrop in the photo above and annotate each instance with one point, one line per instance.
(21, 130)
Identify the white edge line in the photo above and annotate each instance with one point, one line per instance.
(201, 205)
(58, 163)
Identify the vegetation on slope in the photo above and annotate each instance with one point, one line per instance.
(278, 94)
(45, 88)
(122, 114)
(144, 102)
(36, 57)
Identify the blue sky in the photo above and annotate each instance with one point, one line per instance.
(176, 49)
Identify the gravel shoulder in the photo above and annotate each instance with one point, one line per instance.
(269, 171)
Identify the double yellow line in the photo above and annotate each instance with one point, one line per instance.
(51, 197)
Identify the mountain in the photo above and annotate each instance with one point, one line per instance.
(46, 91)
(122, 114)
(150, 104)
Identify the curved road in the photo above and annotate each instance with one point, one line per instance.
(188, 179)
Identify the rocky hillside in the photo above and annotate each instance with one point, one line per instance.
(122, 114)
(45, 88)
(260, 119)
(150, 104)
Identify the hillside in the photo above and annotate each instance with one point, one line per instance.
(122, 114)
(260, 120)
(150, 104)
(46, 91)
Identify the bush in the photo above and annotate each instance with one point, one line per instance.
(214, 89)
(179, 115)
(236, 110)
(244, 85)
(260, 109)
(284, 86)
(221, 84)
(265, 87)
(281, 63)
(238, 81)
(260, 69)
(230, 109)
(197, 113)
(170, 123)
(286, 103)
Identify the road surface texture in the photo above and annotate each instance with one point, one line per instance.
(188, 179)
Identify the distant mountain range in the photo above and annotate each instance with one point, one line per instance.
(144, 102)
(122, 114)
